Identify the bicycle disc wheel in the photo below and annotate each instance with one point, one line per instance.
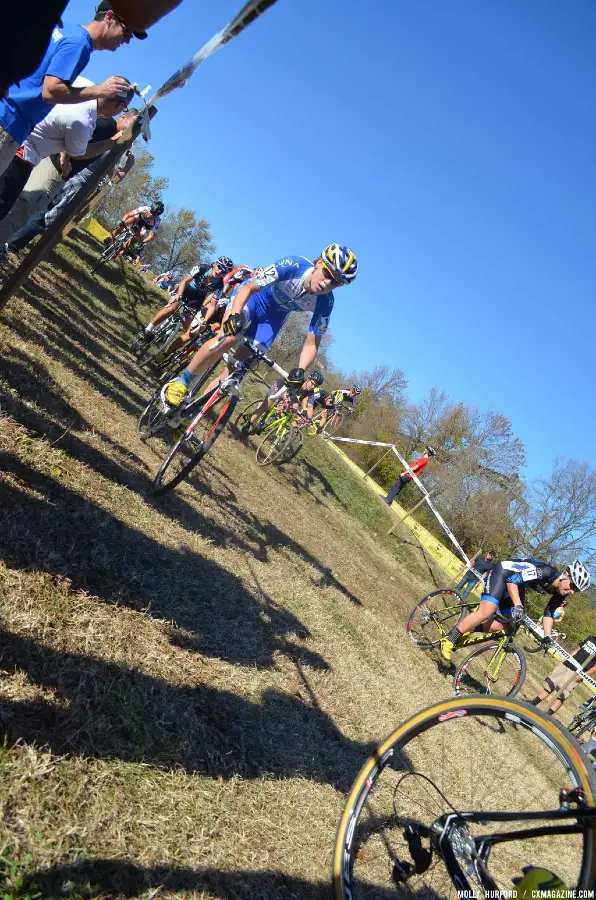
(437, 612)
(274, 444)
(215, 410)
(488, 670)
(393, 838)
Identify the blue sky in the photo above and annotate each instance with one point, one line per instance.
(450, 144)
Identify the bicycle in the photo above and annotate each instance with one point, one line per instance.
(283, 433)
(195, 416)
(585, 720)
(162, 338)
(497, 666)
(419, 821)
(112, 249)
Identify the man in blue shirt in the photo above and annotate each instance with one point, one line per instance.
(259, 307)
(67, 55)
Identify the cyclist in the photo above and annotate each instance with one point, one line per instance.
(165, 281)
(330, 401)
(505, 590)
(142, 221)
(260, 307)
(194, 289)
(299, 387)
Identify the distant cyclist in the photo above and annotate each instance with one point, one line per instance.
(164, 281)
(298, 386)
(260, 307)
(142, 221)
(505, 590)
(194, 289)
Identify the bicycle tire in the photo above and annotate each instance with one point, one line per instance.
(582, 723)
(422, 619)
(152, 420)
(181, 447)
(244, 416)
(382, 811)
(469, 679)
(295, 445)
(334, 425)
(273, 445)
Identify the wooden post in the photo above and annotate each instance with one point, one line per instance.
(378, 462)
(410, 512)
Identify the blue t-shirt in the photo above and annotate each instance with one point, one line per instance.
(282, 287)
(67, 55)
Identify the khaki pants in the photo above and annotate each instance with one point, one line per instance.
(562, 680)
(8, 148)
(42, 186)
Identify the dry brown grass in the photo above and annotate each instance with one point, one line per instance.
(187, 686)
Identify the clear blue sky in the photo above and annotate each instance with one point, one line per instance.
(452, 145)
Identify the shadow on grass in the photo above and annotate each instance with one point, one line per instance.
(120, 878)
(108, 710)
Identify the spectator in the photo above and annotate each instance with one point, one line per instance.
(563, 679)
(483, 565)
(82, 169)
(65, 132)
(417, 467)
(67, 55)
(24, 37)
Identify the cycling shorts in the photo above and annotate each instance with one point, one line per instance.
(262, 325)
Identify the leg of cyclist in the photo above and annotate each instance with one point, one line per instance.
(261, 325)
(480, 617)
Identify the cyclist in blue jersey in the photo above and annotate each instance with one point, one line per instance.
(259, 307)
(505, 591)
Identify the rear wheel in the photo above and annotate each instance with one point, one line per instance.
(295, 445)
(435, 615)
(197, 439)
(490, 670)
(274, 444)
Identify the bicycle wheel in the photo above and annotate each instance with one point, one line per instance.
(153, 421)
(334, 423)
(490, 670)
(295, 445)
(403, 823)
(243, 418)
(274, 444)
(213, 411)
(435, 615)
(582, 722)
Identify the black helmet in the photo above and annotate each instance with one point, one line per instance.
(316, 377)
(295, 377)
(431, 451)
(225, 264)
(157, 208)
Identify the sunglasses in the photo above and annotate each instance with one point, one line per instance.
(125, 25)
(330, 275)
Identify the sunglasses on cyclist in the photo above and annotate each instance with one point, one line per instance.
(330, 275)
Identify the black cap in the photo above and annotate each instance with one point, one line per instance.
(107, 5)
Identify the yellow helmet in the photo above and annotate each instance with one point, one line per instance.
(341, 262)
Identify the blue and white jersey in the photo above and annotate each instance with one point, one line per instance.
(282, 286)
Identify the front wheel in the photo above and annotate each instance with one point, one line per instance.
(274, 445)
(491, 669)
(196, 440)
(435, 615)
(400, 834)
(334, 423)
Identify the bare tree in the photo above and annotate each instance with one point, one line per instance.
(181, 242)
(558, 519)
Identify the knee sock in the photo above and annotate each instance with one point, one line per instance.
(454, 635)
(536, 701)
(187, 377)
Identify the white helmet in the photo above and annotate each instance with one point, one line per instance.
(579, 575)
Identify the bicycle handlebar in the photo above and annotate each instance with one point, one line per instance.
(257, 350)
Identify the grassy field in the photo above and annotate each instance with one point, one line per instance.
(188, 685)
